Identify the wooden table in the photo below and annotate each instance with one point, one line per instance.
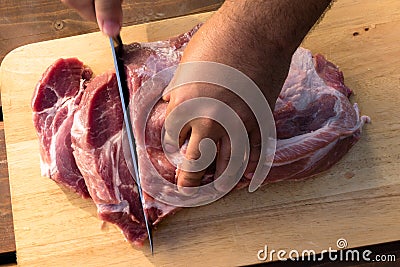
(24, 22)
(44, 20)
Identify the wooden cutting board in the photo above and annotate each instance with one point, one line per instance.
(358, 199)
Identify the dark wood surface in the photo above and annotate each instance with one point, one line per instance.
(25, 22)
(7, 243)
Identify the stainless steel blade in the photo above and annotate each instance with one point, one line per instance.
(117, 49)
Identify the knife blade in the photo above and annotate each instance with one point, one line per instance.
(117, 51)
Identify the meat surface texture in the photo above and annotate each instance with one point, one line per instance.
(54, 103)
(316, 126)
(97, 141)
(316, 123)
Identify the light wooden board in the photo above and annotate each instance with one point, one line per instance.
(358, 199)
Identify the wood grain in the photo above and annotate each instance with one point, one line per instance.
(7, 242)
(362, 207)
(24, 22)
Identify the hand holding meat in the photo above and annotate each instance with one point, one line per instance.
(207, 45)
(255, 37)
(249, 38)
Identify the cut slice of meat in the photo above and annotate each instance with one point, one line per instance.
(54, 102)
(315, 121)
(97, 139)
(316, 125)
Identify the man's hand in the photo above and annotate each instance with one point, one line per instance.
(107, 13)
(224, 40)
(258, 38)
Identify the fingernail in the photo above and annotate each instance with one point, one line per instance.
(188, 191)
(111, 28)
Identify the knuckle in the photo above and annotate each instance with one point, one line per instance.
(208, 125)
(189, 179)
(192, 154)
(177, 98)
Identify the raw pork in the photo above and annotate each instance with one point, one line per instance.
(54, 102)
(316, 125)
(97, 139)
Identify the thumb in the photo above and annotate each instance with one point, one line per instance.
(109, 16)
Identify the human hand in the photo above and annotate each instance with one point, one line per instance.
(224, 41)
(107, 13)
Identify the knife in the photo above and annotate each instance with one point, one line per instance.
(117, 51)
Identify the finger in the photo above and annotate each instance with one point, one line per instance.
(169, 131)
(171, 103)
(255, 150)
(179, 95)
(223, 158)
(224, 155)
(169, 90)
(109, 16)
(85, 8)
(168, 141)
(187, 178)
(166, 97)
(184, 134)
(192, 153)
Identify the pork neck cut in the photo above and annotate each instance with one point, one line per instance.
(315, 122)
(97, 139)
(54, 103)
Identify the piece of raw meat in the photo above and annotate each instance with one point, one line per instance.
(315, 121)
(54, 102)
(316, 126)
(97, 139)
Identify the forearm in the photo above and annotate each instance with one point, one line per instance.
(282, 23)
(257, 37)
